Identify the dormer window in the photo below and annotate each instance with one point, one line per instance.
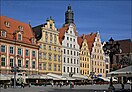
(3, 33)
(19, 37)
(20, 28)
(7, 24)
(33, 40)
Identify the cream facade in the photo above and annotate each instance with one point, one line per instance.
(98, 58)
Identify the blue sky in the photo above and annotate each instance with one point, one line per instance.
(112, 18)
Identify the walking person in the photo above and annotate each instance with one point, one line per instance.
(60, 84)
(52, 84)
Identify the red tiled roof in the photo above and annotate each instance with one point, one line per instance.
(90, 40)
(62, 32)
(14, 24)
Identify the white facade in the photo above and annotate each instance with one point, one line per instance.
(70, 52)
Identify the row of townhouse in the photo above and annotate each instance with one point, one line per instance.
(45, 49)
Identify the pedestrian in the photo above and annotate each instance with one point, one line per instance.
(60, 84)
(52, 84)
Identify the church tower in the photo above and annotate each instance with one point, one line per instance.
(69, 15)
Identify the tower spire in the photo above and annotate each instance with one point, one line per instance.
(69, 15)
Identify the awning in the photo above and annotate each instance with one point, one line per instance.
(4, 77)
(80, 77)
(55, 76)
(104, 79)
(127, 71)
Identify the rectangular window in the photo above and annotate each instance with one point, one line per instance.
(50, 40)
(67, 38)
(64, 69)
(19, 51)
(54, 57)
(33, 53)
(19, 63)
(40, 46)
(40, 55)
(64, 60)
(68, 69)
(11, 50)
(3, 61)
(67, 60)
(77, 70)
(44, 55)
(71, 69)
(64, 51)
(49, 47)
(19, 37)
(70, 39)
(11, 62)
(49, 56)
(49, 67)
(33, 64)
(71, 45)
(45, 47)
(27, 63)
(59, 49)
(27, 52)
(107, 67)
(55, 41)
(67, 44)
(40, 66)
(71, 60)
(54, 48)
(67, 51)
(58, 67)
(74, 40)
(74, 70)
(59, 58)
(71, 52)
(44, 66)
(74, 46)
(54, 67)
(46, 39)
(74, 61)
(74, 53)
(3, 48)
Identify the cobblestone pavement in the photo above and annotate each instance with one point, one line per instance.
(87, 88)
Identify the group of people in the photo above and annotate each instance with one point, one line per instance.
(71, 84)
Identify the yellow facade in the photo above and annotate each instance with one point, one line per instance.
(85, 59)
(50, 52)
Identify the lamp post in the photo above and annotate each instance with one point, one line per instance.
(15, 69)
(111, 48)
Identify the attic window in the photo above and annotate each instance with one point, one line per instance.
(19, 36)
(51, 26)
(20, 28)
(7, 24)
(3, 33)
(33, 41)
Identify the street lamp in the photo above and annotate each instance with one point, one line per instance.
(111, 48)
(15, 69)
